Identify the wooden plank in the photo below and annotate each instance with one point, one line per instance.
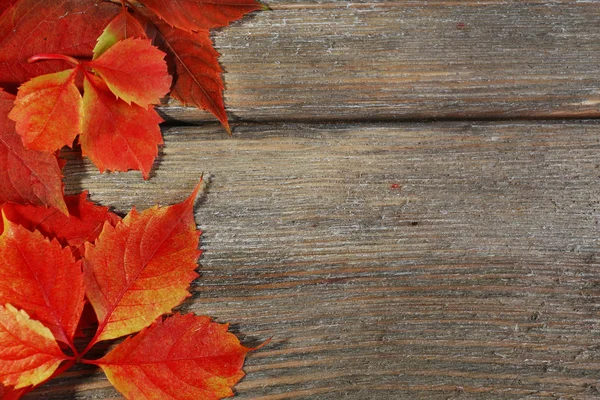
(410, 60)
(388, 261)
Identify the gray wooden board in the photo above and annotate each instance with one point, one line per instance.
(476, 277)
(375, 60)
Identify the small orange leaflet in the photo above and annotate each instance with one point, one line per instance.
(48, 111)
(144, 81)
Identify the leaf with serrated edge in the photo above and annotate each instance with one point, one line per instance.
(83, 224)
(199, 15)
(184, 357)
(123, 26)
(26, 176)
(117, 136)
(135, 71)
(197, 70)
(28, 352)
(141, 268)
(47, 111)
(42, 278)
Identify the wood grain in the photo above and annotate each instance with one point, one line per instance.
(388, 261)
(410, 60)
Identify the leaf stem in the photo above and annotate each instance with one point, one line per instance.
(90, 362)
(42, 57)
(73, 349)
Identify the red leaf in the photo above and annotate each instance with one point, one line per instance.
(117, 136)
(83, 224)
(26, 176)
(31, 27)
(141, 268)
(201, 15)
(123, 26)
(197, 70)
(5, 5)
(7, 393)
(134, 71)
(42, 278)
(28, 352)
(47, 111)
(182, 357)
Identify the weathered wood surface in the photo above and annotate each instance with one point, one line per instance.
(476, 277)
(407, 60)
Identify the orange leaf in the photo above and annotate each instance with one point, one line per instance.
(183, 357)
(83, 224)
(135, 71)
(26, 176)
(197, 70)
(28, 352)
(141, 268)
(201, 15)
(42, 278)
(123, 26)
(117, 136)
(47, 111)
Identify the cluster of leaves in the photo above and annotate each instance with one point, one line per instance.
(114, 120)
(131, 271)
(88, 73)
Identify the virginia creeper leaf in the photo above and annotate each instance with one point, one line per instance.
(201, 15)
(123, 26)
(31, 27)
(41, 277)
(141, 268)
(26, 176)
(83, 224)
(196, 68)
(117, 136)
(183, 357)
(47, 111)
(28, 352)
(135, 71)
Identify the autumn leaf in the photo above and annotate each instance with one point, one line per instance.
(83, 224)
(117, 136)
(26, 176)
(201, 15)
(123, 26)
(48, 111)
(30, 27)
(197, 70)
(8, 393)
(181, 357)
(28, 352)
(141, 268)
(144, 81)
(41, 277)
